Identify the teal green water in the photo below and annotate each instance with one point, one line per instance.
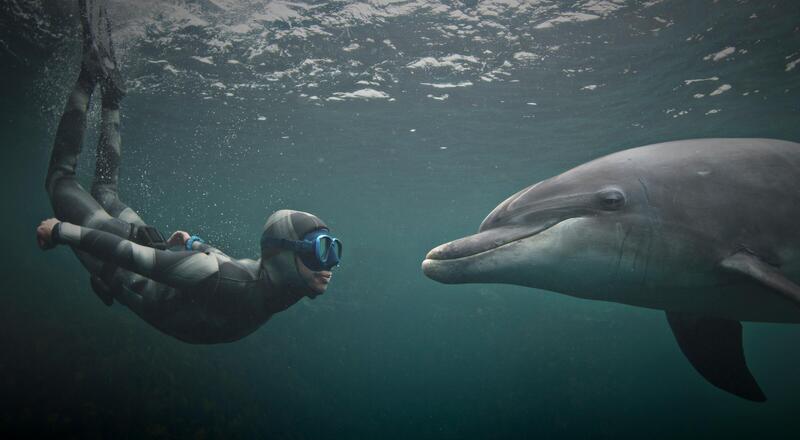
(385, 353)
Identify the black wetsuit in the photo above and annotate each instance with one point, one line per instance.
(198, 296)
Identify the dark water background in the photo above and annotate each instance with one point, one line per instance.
(386, 353)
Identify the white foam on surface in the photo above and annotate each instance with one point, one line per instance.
(720, 90)
(439, 98)
(362, 94)
(690, 81)
(351, 47)
(279, 10)
(569, 17)
(241, 28)
(204, 60)
(526, 56)
(724, 53)
(448, 85)
(602, 7)
(455, 62)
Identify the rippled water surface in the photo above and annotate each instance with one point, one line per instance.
(402, 124)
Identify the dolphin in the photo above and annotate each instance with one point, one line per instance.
(707, 230)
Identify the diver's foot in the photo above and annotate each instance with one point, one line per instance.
(113, 91)
(99, 60)
(102, 290)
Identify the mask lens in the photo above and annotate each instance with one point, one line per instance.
(324, 247)
(337, 248)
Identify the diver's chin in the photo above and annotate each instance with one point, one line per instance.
(316, 290)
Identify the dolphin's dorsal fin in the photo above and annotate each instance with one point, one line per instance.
(714, 348)
(750, 265)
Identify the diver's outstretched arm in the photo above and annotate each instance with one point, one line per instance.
(70, 133)
(180, 269)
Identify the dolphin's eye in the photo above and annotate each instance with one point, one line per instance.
(611, 199)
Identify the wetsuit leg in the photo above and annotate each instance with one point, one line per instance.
(106, 176)
(70, 201)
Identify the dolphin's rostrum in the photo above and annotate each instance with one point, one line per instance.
(703, 229)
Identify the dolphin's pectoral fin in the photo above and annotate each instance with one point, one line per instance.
(714, 348)
(750, 265)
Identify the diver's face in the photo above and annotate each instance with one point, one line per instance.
(317, 281)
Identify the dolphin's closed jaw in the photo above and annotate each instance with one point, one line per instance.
(475, 244)
(450, 262)
(483, 241)
(444, 262)
(453, 262)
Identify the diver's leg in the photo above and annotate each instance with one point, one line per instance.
(69, 200)
(107, 282)
(106, 176)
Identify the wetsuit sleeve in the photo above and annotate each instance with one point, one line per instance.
(174, 268)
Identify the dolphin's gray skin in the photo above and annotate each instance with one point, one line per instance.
(706, 229)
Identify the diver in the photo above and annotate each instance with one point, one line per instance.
(195, 293)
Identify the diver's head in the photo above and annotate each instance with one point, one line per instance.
(298, 252)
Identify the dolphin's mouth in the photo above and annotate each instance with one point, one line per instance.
(453, 262)
(486, 240)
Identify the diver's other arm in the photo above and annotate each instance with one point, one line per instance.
(174, 268)
(44, 234)
(188, 242)
(178, 238)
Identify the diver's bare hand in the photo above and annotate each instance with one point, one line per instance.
(178, 238)
(44, 233)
